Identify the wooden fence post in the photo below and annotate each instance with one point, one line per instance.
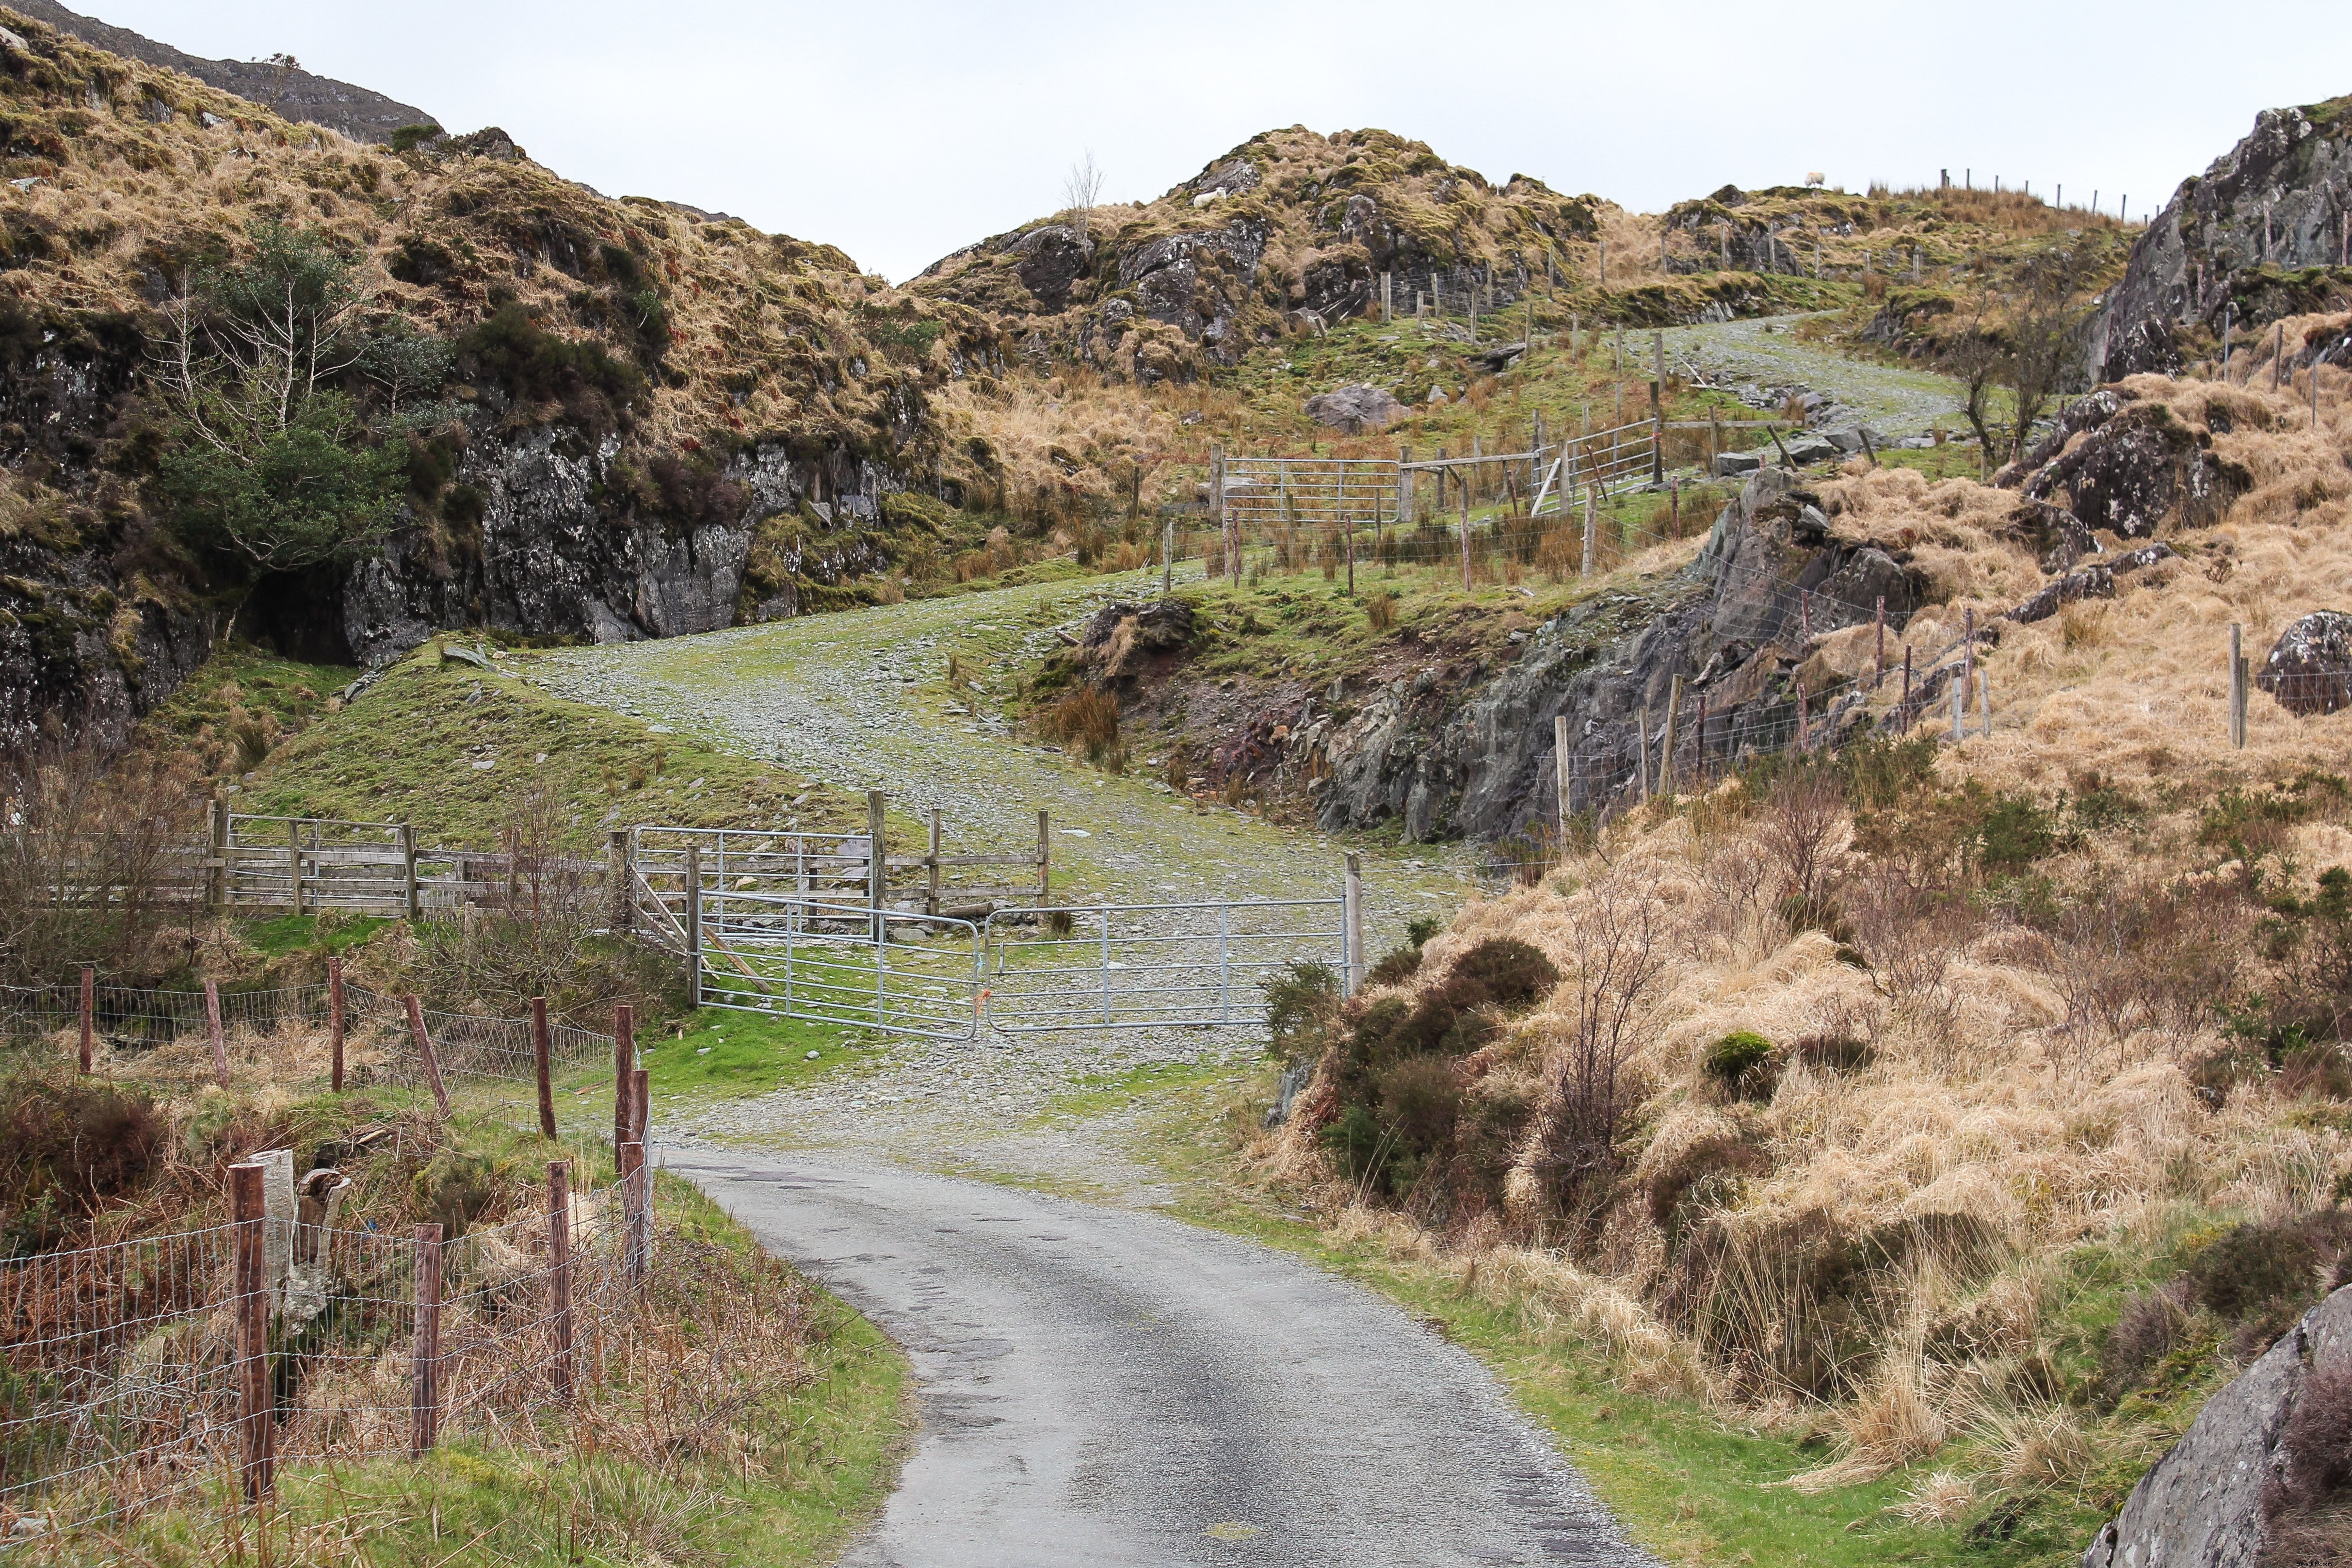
(1642, 752)
(1168, 555)
(254, 1396)
(294, 859)
(1463, 485)
(335, 1022)
(213, 1032)
(1666, 756)
(1984, 697)
(878, 864)
(625, 1059)
(1352, 928)
(409, 869)
(1591, 522)
(2237, 688)
(559, 1272)
(542, 1049)
(1226, 533)
(623, 918)
(1878, 619)
(425, 1051)
(1698, 742)
(640, 1207)
(1562, 778)
(1045, 860)
(1960, 705)
(693, 913)
(424, 1356)
(932, 867)
(1906, 675)
(89, 1014)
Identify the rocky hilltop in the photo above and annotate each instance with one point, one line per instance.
(1290, 228)
(2265, 232)
(290, 91)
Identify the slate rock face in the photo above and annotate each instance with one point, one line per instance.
(2201, 1505)
(2310, 668)
(1354, 408)
(1052, 259)
(1166, 275)
(1482, 765)
(2257, 232)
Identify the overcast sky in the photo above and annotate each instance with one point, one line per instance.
(902, 133)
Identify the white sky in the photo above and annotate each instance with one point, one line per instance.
(902, 133)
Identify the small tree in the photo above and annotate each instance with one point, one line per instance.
(2047, 319)
(1081, 188)
(267, 460)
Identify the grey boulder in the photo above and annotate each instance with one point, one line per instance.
(1354, 408)
(2310, 666)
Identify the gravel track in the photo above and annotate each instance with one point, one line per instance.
(1893, 400)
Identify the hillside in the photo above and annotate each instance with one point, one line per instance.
(635, 423)
(284, 89)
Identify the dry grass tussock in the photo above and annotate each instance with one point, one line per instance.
(1848, 1065)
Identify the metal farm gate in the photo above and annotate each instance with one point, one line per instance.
(1092, 966)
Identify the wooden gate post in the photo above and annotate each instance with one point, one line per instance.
(294, 859)
(409, 869)
(216, 873)
(540, 1050)
(694, 925)
(89, 1014)
(559, 1272)
(425, 1051)
(213, 1032)
(623, 918)
(335, 1022)
(878, 866)
(254, 1415)
(624, 1058)
(424, 1356)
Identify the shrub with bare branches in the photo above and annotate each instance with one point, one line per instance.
(94, 857)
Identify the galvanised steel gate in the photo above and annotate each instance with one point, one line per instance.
(1142, 966)
(1095, 966)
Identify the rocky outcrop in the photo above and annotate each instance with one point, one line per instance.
(1734, 625)
(1355, 408)
(2309, 669)
(2260, 234)
(2136, 468)
(2203, 1505)
(290, 90)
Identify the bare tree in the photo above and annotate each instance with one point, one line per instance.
(2045, 331)
(1081, 189)
(1798, 833)
(1617, 958)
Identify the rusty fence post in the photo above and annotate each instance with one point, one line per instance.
(540, 1050)
(335, 1019)
(213, 1031)
(426, 1052)
(89, 1014)
(559, 1274)
(254, 1415)
(424, 1357)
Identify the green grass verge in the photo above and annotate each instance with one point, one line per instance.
(723, 1054)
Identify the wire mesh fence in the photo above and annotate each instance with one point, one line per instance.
(126, 1384)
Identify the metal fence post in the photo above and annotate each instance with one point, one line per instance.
(559, 1272)
(540, 1050)
(213, 1031)
(254, 1414)
(89, 1014)
(425, 1051)
(693, 925)
(335, 1023)
(424, 1355)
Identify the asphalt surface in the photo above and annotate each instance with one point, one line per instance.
(1105, 1387)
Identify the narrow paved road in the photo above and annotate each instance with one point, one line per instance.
(1102, 1387)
